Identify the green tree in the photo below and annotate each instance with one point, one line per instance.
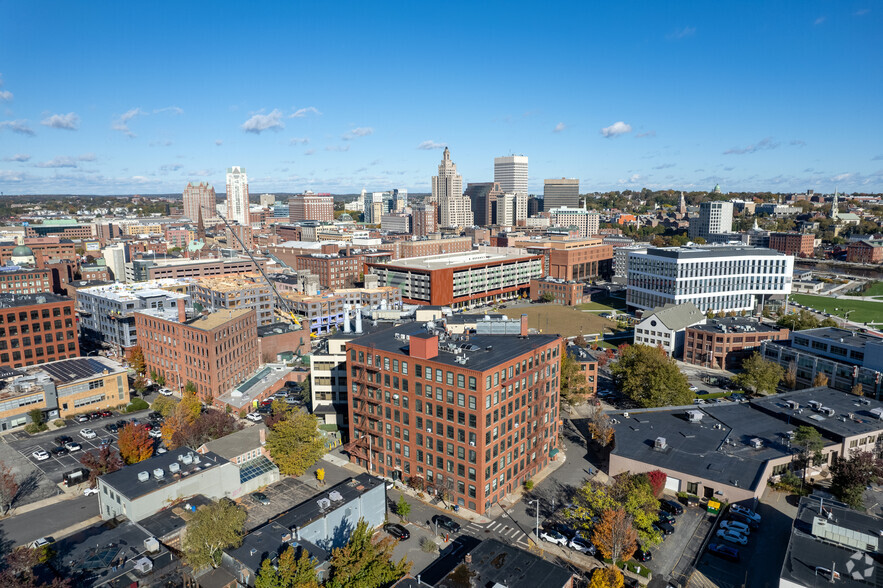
(295, 443)
(211, 530)
(547, 297)
(810, 445)
(631, 492)
(364, 562)
(164, 405)
(760, 375)
(289, 571)
(649, 377)
(850, 477)
(573, 380)
(189, 409)
(403, 508)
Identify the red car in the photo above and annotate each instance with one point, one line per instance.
(106, 413)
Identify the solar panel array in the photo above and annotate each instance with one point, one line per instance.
(254, 468)
(69, 370)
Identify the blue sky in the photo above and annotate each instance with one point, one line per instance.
(118, 97)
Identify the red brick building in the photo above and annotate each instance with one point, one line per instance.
(43, 248)
(95, 272)
(24, 281)
(588, 367)
(214, 351)
(799, 244)
(310, 206)
(568, 293)
(725, 342)
(340, 270)
(405, 249)
(36, 328)
(471, 425)
(865, 252)
(423, 221)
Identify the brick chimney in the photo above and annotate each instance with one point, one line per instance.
(182, 313)
(524, 325)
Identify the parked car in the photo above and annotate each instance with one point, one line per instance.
(60, 450)
(94, 415)
(156, 433)
(568, 532)
(745, 511)
(122, 423)
(41, 542)
(752, 524)
(693, 388)
(165, 391)
(663, 528)
(732, 536)
(82, 418)
(667, 518)
(643, 555)
(87, 434)
(40, 455)
(72, 446)
(447, 523)
(397, 531)
(671, 507)
(582, 545)
(62, 439)
(723, 551)
(553, 537)
(255, 417)
(112, 428)
(736, 526)
(106, 441)
(90, 491)
(260, 498)
(106, 413)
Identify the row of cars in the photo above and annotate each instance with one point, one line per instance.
(290, 394)
(735, 529)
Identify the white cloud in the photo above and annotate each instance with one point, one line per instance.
(681, 33)
(7, 175)
(299, 141)
(616, 129)
(430, 145)
(172, 109)
(18, 126)
(358, 132)
(337, 148)
(302, 112)
(219, 142)
(842, 177)
(171, 167)
(820, 20)
(69, 121)
(309, 151)
(121, 124)
(5, 96)
(259, 123)
(87, 157)
(559, 127)
(58, 162)
(646, 134)
(20, 157)
(762, 145)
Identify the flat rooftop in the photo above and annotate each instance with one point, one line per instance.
(136, 290)
(845, 336)
(126, 482)
(308, 511)
(203, 322)
(446, 260)
(735, 324)
(231, 282)
(483, 352)
(16, 300)
(706, 251)
(65, 371)
(256, 384)
(852, 415)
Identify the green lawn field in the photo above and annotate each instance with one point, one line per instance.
(863, 311)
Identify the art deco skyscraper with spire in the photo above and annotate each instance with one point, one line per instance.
(447, 190)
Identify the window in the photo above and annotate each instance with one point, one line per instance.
(473, 384)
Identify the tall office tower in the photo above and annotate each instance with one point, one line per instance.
(534, 206)
(558, 193)
(199, 196)
(424, 219)
(511, 173)
(237, 195)
(309, 206)
(400, 199)
(714, 218)
(481, 196)
(267, 200)
(520, 206)
(447, 190)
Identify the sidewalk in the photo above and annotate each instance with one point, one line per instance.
(496, 510)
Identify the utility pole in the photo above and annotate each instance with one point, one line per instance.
(538, 518)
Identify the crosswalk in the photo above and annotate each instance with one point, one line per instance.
(508, 531)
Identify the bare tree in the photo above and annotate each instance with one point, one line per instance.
(600, 426)
(8, 487)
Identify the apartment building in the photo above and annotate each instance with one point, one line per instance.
(666, 326)
(61, 389)
(311, 206)
(425, 219)
(235, 292)
(568, 293)
(339, 270)
(215, 351)
(158, 268)
(36, 328)
(586, 221)
(714, 218)
(469, 421)
(717, 278)
(16, 280)
(106, 312)
(797, 244)
(425, 247)
(460, 279)
(867, 251)
(723, 343)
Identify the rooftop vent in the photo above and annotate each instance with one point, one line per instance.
(175, 467)
(335, 496)
(793, 404)
(815, 404)
(143, 476)
(186, 458)
(877, 412)
(660, 443)
(151, 544)
(756, 443)
(828, 411)
(323, 503)
(158, 473)
(694, 416)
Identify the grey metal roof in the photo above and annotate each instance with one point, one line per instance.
(732, 324)
(845, 336)
(677, 316)
(699, 252)
(16, 300)
(235, 444)
(126, 482)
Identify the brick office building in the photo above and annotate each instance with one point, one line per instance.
(340, 270)
(725, 342)
(311, 207)
(36, 328)
(798, 244)
(42, 248)
(868, 251)
(214, 351)
(472, 424)
(15, 280)
(569, 293)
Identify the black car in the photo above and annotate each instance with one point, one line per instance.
(724, 551)
(643, 555)
(121, 424)
(663, 528)
(59, 451)
(62, 439)
(260, 498)
(671, 507)
(112, 428)
(447, 523)
(667, 518)
(397, 531)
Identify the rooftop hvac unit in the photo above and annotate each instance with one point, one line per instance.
(196, 458)
(877, 412)
(186, 459)
(694, 416)
(793, 404)
(158, 473)
(815, 404)
(143, 566)
(660, 443)
(828, 411)
(151, 544)
(756, 443)
(323, 503)
(174, 467)
(335, 496)
(625, 415)
(143, 476)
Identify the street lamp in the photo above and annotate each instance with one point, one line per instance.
(538, 518)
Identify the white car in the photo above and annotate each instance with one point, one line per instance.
(736, 526)
(746, 512)
(72, 446)
(88, 433)
(254, 417)
(165, 391)
(553, 537)
(693, 389)
(155, 433)
(732, 536)
(582, 545)
(90, 491)
(41, 455)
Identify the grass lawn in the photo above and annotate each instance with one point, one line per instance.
(863, 311)
(563, 320)
(603, 304)
(876, 289)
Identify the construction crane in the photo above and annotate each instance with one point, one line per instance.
(282, 302)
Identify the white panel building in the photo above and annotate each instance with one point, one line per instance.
(511, 173)
(588, 222)
(237, 196)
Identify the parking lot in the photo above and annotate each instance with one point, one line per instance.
(667, 554)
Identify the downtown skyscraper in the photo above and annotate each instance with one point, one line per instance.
(237, 196)
(510, 172)
(447, 190)
(199, 196)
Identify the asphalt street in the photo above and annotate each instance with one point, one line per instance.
(46, 521)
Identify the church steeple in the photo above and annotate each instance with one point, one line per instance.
(200, 227)
(835, 213)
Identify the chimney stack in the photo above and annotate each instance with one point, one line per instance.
(524, 325)
(182, 312)
(358, 318)
(346, 318)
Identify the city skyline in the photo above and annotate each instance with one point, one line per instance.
(752, 97)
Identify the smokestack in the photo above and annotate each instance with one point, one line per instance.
(346, 318)
(358, 318)
(182, 313)
(524, 325)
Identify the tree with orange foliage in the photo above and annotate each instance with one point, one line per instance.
(135, 443)
(615, 535)
(609, 577)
